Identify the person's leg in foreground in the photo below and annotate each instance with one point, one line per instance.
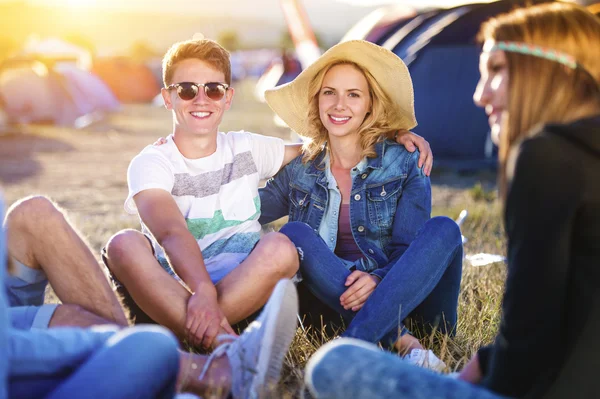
(67, 360)
(140, 362)
(45, 247)
(349, 368)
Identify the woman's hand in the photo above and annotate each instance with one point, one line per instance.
(361, 286)
(411, 142)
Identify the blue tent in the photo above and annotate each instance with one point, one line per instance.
(442, 54)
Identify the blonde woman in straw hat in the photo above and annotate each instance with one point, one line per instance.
(540, 85)
(358, 203)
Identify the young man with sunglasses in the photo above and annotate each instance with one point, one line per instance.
(200, 264)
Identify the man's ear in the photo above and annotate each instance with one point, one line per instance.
(229, 97)
(166, 95)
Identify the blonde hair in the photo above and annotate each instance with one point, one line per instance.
(205, 50)
(540, 90)
(378, 123)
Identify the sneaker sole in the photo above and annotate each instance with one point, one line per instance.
(280, 328)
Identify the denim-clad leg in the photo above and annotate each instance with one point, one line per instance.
(349, 368)
(322, 271)
(140, 362)
(147, 360)
(426, 278)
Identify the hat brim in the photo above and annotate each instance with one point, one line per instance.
(290, 101)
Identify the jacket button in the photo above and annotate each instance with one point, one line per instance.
(301, 202)
(361, 229)
(371, 251)
(357, 197)
(363, 176)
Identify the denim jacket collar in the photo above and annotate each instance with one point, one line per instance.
(318, 165)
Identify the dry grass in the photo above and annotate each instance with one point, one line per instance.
(85, 172)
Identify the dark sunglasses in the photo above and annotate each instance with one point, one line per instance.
(188, 90)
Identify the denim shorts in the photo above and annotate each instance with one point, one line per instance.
(25, 289)
(216, 271)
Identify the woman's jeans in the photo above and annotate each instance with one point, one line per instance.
(139, 362)
(348, 368)
(424, 283)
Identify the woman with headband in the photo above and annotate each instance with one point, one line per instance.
(540, 87)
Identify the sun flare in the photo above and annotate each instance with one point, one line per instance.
(78, 3)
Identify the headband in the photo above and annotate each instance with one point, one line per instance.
(541, 52)
(537, 51)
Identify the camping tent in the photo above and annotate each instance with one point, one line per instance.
(441, 52)
(132, 82)
(35, 93)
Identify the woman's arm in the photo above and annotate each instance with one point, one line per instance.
(412, 211)
(540, 211)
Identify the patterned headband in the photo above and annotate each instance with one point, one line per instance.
(537, 51)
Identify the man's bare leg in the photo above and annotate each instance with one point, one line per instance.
(241, 293)
(40, 237)
(76, 316)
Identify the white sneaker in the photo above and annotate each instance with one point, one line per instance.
(256, 356)
(426, 359)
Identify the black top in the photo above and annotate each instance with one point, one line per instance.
(552, 220)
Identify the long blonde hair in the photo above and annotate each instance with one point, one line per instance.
(378, 123)
(540, 90)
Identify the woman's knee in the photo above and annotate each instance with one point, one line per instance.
(445, 228)
(322, 374)
(296, 231)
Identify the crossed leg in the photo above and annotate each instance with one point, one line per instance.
(241, 293)
(41, 238)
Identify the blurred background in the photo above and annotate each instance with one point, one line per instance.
(71, 62)
(79, 81)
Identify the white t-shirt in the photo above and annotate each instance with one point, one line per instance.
(217, 195)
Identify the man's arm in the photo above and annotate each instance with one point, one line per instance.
(291, 152)
(54, 351)
(160, 214)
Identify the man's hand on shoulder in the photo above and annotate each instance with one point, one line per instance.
(411, 142)
(160, 141)
(205, 319)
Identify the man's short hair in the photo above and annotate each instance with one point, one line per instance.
(205, 50)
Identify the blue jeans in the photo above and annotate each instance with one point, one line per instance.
(348, 369)
(140, 362)
(423, 283)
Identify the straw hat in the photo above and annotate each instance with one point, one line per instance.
(290, 101)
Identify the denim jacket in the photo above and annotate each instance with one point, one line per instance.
(390, 201)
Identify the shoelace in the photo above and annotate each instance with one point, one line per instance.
(218, 352)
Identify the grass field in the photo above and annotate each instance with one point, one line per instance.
(84, 171)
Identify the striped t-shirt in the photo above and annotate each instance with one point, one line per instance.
(217, 195)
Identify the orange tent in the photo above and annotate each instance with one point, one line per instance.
(130, 81)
